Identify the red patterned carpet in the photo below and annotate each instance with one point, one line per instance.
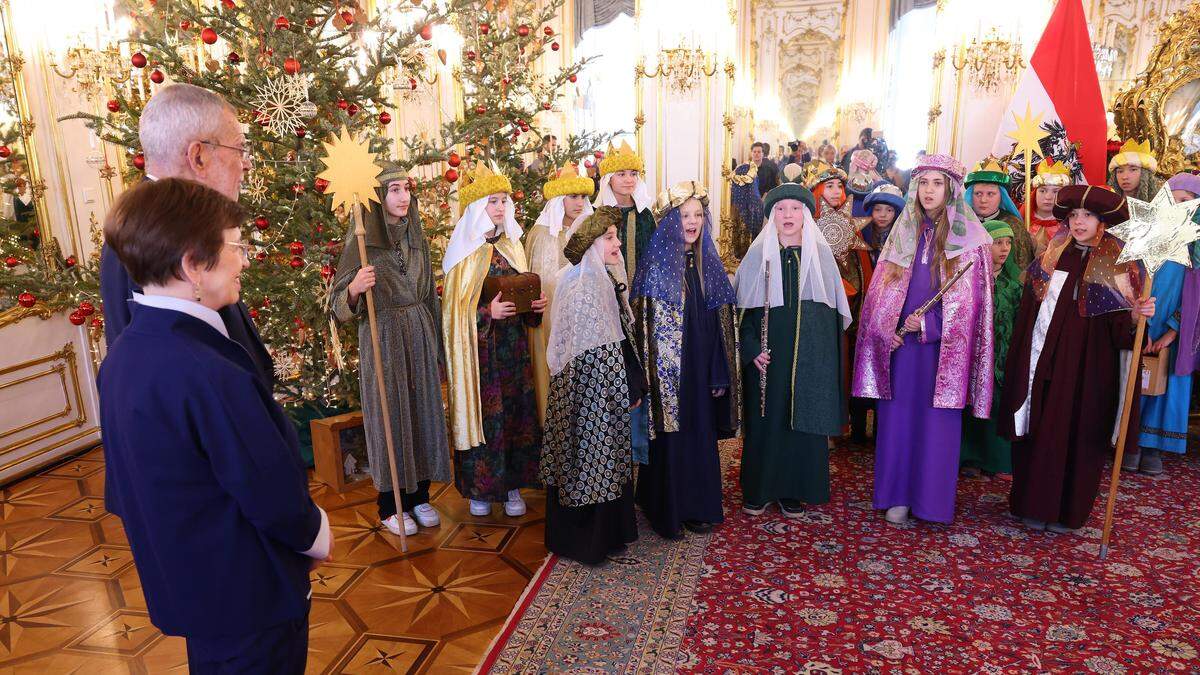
(842, 591)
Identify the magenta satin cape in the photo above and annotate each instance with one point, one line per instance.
(964, 374)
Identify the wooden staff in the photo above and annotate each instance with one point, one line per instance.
(360, 233)
(763, 333)
(1132, 384)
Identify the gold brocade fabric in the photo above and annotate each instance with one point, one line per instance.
(460, 302)
(545, 258)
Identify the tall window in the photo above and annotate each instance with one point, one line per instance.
(909, 84)
(606, 101)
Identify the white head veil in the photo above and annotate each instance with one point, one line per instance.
(641, 194)
(472, 229)
(553, 212)
(585, 313)
(820, 279)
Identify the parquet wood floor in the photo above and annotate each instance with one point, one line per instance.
(71, 602)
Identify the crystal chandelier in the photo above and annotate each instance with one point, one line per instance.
(991, 60)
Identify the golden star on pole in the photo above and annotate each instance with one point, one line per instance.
(1028, 132)
(1158, 231)
(352, 171)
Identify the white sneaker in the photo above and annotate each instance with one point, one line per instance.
(515, 506)
(479, 508)
(426, 515)
(897, 515)
(410, 526)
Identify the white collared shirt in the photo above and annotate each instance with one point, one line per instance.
(188, 307)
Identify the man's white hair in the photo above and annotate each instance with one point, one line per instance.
(177, 116)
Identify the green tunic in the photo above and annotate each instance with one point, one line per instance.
(642, 225)
(982, 446)
(785, 454)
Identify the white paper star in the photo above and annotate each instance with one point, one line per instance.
(1158, 231)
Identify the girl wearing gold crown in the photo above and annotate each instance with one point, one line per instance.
(1043, 226)
(1131, 171)
(621, 185)
(683, 302)
(566, 203)
(409, 314)
(493, 408)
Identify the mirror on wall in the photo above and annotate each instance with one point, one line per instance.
(19, 226)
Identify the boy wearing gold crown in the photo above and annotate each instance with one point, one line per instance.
(987, 194)
(410, 315)
(493, 407)
(1051, 177)
(622, 186)
(566, 197)
(1131, 171)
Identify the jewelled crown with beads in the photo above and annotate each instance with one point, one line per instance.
(818, 171)
(481, 182)
(621, 159)
(1135, 154)
(941, 162)
(568, 182)
(1052, 173)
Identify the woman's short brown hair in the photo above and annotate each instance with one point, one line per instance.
(156, 223)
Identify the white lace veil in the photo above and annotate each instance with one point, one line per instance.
(585, 313)
(820, 279)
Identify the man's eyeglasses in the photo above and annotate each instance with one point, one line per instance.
(244, 249)
(243, 151)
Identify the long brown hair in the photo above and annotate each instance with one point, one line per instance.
(941, 230)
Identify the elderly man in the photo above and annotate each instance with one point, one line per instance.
(187, 132)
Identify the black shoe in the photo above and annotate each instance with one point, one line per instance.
(754, 509)
(791, 508)
(697, 526)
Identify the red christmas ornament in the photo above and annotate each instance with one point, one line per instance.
(485, 28)
(352, 109)
(208, 36)
(587, 164)
(228, 4)
(548, 31)
(139, 161)
(451, 175)
(266, 301)
(282, 23)
(326, 272)
(519, 195)
(262, 223)
(444, 206)
(470, 55)
(5, 152)
(342, 104)
(347, 16)
(113, 105)
(138, 60)
(479, 110)
(598, 154)
(254, 314)
(185, 25)
(454, 159)
(260, 256)
(298, 188)
(297, 263)
(77, 318)
(26, 300)
(70, 261)
(86, 308)
(12, 261)
(412, 83)
(291, 66)
(310, 22)
(572, 77)
(157, 77)
(234, 58)
(301, 132)
(97, 322)
(554, 46)
(321, 185)
(296, 248)
(385, 118)
(523, 30)
(545, 106)
(426, 32)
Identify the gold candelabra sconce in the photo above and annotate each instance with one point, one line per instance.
(92, 70)
(681, 67)
(990, 61)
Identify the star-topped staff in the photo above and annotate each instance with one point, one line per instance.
(1027, 135)
(352, 173)
(1157, 232)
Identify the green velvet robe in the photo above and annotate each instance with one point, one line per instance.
(785, 454)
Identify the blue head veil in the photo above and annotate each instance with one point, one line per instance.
(661, 268)
(1006, 202)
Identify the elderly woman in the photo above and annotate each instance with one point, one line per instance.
(409, 314)
(596, 380)
(202, 465)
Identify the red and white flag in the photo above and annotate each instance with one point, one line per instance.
(1061, 84)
